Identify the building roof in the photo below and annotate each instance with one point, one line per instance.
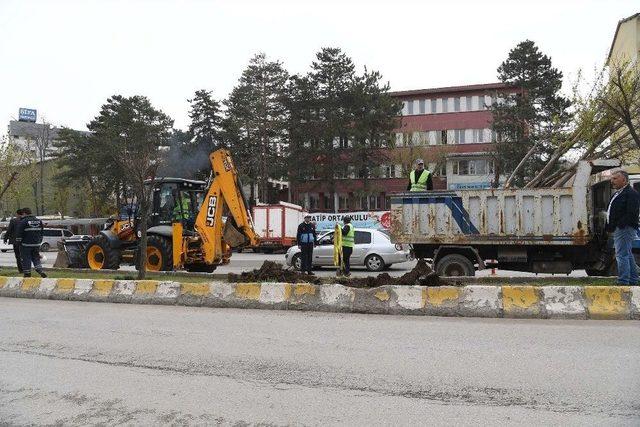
(465, 88)
(613, 42)
(30, 130)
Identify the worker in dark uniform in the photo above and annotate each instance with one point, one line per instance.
(29, 235)
(306, 238)
(420, 178)
(10, 237)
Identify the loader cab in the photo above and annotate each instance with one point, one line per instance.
(176, 199)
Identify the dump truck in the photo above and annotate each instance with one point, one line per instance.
(539, 230)
(193, 225)
(277, 225)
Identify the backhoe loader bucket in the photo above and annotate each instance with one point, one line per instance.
(70, 253)
(232, 236)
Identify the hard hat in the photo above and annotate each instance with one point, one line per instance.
(419, 161)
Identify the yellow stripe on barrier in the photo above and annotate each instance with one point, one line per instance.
(197, 289)
(248, 291)
(3, 281)
(520, 298)
(441, 296)
(31, 283)
(146, 287)
(607, 302)
(382, 295)
(103, 287)
(65, 286)
(301, 289)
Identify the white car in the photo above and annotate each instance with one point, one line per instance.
(4, 247)
(373, 249)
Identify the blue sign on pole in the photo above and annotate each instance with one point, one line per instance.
(27, 115)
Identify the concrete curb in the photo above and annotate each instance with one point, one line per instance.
(511, 301)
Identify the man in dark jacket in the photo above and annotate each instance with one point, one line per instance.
(622, 220)
(10, 237)
(306, 239)
(29, 235)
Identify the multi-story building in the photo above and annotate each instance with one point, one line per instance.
(449, 128)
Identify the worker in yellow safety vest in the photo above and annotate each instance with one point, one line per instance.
(348, 241)
(420, 178)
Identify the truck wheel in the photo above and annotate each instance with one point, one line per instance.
(99, 254)
(200, 268)
(455, 265)
(159, 254)
(374, 263)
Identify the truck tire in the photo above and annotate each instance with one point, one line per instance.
(99, 255)
(296, 262)
(159, 254)
(455, 265)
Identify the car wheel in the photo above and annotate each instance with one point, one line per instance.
(296, 262)
(374, 263)
(45, 247)
(455, 265)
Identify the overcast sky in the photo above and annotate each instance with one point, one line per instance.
(65, 58)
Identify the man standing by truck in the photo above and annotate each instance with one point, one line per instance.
(306, 238)
(10, 236)
(622, 220)
(420, 178)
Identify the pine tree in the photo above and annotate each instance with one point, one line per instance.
(255, 126)
(531, 116)
(206, 121)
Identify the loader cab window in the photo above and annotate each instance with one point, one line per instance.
(164, 203)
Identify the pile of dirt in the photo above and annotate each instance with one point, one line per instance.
(272, 271)
(421, 275)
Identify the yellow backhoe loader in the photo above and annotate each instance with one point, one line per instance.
(194, 225)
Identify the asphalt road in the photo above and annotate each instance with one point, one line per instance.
(74, 363)
(249, 261)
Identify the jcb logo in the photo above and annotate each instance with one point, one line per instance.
(211, 211)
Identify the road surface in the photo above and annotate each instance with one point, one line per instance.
(74, 363)
(249, 261)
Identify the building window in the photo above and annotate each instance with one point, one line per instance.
(421, 106)
(478, 135)
(481, 104)
(343, 201)
(434, 106)
(469, 105)
(458, 136)
(314, 202)
(439, 169)
(327, 201)
(473, 167)
(399, 140)
(410, 109)
(443, 137)
(445, 105)
(373, 202)
(456, 104)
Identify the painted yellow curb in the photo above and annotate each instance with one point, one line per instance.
(301, 289)
(146, 287)
(196, 289)
(248, 291)
(607, 302)
(30, 283)
(65, 286)
(3, 281)
(382, 295)
(103, 287)
(441, 296)
(519, 299)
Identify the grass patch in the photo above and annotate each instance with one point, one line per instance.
(118, 275)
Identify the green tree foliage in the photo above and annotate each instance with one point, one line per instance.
(531, 116)
(340, 122)
(205, 128)
(255, 126)
(131, 132)
(83, 162)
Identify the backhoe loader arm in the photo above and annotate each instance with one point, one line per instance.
(224, 191)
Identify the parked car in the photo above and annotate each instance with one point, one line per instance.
(4, 247)
(50, 239)
(373, 249)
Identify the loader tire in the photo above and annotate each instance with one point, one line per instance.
(159, 254)
(99, 255)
